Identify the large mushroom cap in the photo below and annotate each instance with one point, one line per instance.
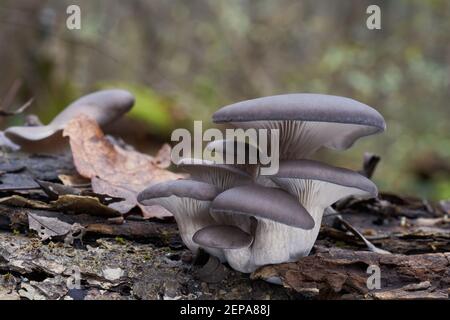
(178, 188)
(104, 106)
(263, 202)
(222, 237)
(306, 121)
(221, 175)
(302, 106)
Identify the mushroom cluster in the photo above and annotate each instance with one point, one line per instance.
(249, 220)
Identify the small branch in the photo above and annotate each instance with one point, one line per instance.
(370, 162)
(5, 113)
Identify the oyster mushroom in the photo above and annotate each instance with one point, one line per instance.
(221, 175)
(317, 186)
(222, 237)
(242, 155)
(250, 161)
(104, 106)
(269, 213)
(305, 121)
(189, 202)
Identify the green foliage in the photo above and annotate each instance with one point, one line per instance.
(149, 107)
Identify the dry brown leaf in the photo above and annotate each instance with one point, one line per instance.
(73, 180)
(129, 203)
(162, 159)
(122, 173)
(74, 204)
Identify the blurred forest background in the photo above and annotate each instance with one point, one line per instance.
(185, 59)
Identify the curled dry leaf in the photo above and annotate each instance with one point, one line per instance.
(73, 204)
(113, 170)
(55, 190)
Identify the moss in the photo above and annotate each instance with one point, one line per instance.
(120, 240)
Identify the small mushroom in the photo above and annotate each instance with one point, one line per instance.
(242, 155)
(317, 186)
(249, 162)
(221, 175)
(222, 237)
(189, 202)
(305, 121)
(104, 106)
(265, 213)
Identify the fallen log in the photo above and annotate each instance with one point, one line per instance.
(345, 274)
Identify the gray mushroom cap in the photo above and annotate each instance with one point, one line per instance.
(189, 202)
(104, 106)
(221, 175)
(302, 106)
(179, 188)
(192, 164)
(263, 202)
(232, 148)
(306, 121)
(222, 237)
(315, 170)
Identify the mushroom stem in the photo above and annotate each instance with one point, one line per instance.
(190, 217)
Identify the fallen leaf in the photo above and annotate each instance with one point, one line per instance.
(6, 113)
(47, 227)
(73, 180)
(163, 159)
(55, 190)
(105, 187)
(123, 173)
(73, 204)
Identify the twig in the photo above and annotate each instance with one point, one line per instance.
(5, 113)
(370, 162)
(359, 235)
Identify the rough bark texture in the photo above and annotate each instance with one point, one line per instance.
(337, 273)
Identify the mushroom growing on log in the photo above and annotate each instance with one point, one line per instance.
(269, 219)
(103, 106)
